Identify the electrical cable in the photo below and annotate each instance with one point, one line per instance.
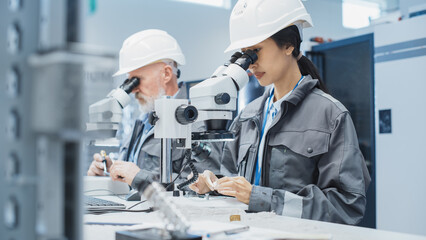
(106, 210)
(181, 171)
(113, 194)
(193, 169)
(140, 202)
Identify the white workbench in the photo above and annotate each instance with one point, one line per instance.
(220, 208)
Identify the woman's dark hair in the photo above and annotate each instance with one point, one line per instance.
(290, 36)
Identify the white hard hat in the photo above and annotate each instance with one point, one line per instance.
(146, 47)
(253, 21)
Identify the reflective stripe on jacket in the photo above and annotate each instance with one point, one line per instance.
(312, 165)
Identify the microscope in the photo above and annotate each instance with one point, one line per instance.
(105, 115)
(211, 101)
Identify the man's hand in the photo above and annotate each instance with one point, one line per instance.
(124, 171)
(237, 187)
(97, 166)
(204, 183)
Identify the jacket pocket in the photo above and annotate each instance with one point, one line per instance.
(293, 156)
(152, 147)
(243, 153)
(308, 143)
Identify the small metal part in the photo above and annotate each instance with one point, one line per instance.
(103, 154)
(234, 218)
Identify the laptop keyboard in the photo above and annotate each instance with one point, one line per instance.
(92, 203)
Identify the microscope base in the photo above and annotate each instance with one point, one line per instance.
(170, 186)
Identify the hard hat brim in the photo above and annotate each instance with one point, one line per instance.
(246, 43)
(180, 60)
(255, 40)
(123, 71)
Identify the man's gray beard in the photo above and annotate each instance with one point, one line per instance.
(148, 106)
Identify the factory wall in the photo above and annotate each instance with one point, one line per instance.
(202, 31)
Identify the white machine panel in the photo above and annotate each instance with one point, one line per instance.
(400, 84)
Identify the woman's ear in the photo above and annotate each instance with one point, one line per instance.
(289, 50)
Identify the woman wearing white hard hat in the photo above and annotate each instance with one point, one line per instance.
(296, 151)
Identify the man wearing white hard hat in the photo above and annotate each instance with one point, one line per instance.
(153, 56)
(296, 151)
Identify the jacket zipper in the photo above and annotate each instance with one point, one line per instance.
(264, 175)
(257, 123)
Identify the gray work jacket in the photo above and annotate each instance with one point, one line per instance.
(312, 165)
(150, 153)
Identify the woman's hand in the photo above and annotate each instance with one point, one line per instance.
(237, 187)
(204, 182)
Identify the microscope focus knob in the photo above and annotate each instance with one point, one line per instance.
(186, 114)
(222, 98)
(152, 118)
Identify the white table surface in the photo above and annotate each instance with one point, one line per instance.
(219, 209)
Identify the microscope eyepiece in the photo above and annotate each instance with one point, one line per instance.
(235, 56)
(248, 57)
(130, 84)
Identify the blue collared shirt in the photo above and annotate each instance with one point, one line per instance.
(134, 155)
